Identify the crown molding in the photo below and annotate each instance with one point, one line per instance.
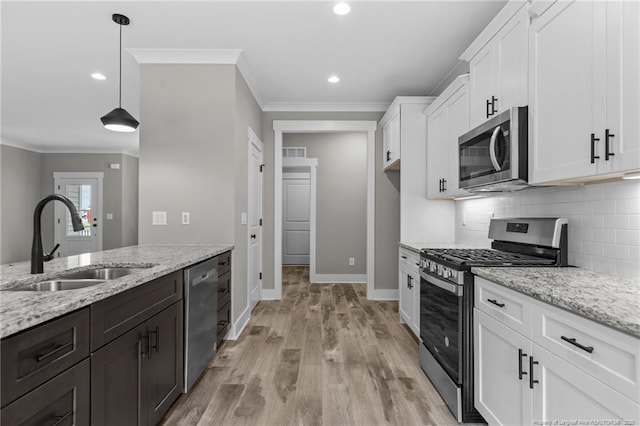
(68, 150)
(249, 78)
(186, 56)
(325, 106)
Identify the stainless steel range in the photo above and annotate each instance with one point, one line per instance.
(446, 299)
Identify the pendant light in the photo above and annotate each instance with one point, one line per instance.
(119, 119)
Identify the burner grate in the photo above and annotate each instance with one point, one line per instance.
(486, 257)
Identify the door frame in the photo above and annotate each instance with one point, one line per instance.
(312, 165)
(321, 126)
(80, 175)
(253, 139)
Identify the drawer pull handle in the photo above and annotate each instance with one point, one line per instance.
(222, 290)
(56, 348)
(521, 355)
(223, 323)
(404, 257)
(574, 343)
(156, 346)
(60, 419)
(531, 380)
(495, 302)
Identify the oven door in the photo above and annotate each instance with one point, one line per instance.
(441, 322)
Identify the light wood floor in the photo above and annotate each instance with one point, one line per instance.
(323, 355)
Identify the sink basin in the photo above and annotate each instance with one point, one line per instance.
(99, 274)
(57, 285)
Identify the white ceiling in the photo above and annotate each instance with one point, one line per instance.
(289, 48)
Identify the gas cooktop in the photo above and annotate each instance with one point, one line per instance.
(484, 257)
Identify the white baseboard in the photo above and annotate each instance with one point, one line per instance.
(383, 294)
(239, 325)
(339, 278)
(270, 294)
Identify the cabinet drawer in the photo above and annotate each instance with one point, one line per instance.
(507, 306)
(607, 354)
(224, 262)
(35, 356)
(112, 317)
(224, 321)
(64, 400)
(224, 289)
(411, 259)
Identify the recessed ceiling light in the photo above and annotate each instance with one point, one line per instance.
(333, 79)
(98, 76)
(341, 8)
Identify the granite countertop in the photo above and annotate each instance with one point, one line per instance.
(20, 310)
(417, 246)
(610, 300)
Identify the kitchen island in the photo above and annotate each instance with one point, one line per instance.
(20, 310)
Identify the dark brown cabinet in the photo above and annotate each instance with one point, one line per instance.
(224, 297)
(136, 377)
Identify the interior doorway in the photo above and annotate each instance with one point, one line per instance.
(84, 189)
(254, 228)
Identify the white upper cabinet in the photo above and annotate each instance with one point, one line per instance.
(390, 124)
(498, 64)
(584, 90)
(447, 120)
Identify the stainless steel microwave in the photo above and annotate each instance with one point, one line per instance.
(493, 156)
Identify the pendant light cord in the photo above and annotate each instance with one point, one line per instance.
(120, 82)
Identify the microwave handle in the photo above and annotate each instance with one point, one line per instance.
(492, 149)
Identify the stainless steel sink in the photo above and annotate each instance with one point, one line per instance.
(99, 274)
(57, 285)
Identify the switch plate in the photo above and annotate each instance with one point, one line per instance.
(186, 218)
(109, 216)
(159, 218)
(352, 261)
(243, 218)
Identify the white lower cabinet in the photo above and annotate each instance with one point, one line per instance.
(520, 382)
(409, 286)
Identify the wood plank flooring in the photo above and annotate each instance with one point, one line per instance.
(323, 355)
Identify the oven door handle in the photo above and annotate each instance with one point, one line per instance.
(451, 288)
(492, 149)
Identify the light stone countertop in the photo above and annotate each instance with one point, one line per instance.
(20, 310)
(608, 299)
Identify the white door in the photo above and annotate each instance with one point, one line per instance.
(85, 191)
(511, 45)
(254, 225)
(482, 83)
(296, 209)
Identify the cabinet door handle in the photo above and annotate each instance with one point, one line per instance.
(51, 352)
(487, 108)
(495, 302)
(521, 355)
(593, 148)
(532, 381)
(60, 419)
(388, 155)
(417, 263)
(149, 333)
(223, 323)
(607, 153)
(494, 109)
(575, 343)
(253, 236)
(444, 185)
(156, 346)
(404, 257)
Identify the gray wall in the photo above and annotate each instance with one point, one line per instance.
(341, 200)
(129, 200)
(186, 152)
(387, 210)
(112, 230)
(20, 192)
(194, 158)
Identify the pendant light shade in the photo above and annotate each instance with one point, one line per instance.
(119, 119)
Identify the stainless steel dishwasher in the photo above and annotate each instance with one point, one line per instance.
(200, 318)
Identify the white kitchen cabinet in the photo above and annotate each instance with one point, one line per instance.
(498, 64)
(409, 289)
(519, 381)
(447, 120)
(584, 85)
(391, 135)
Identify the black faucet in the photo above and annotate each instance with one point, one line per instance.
(37, 256)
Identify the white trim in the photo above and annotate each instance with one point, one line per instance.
(249, 78)
(238, 325)
(383, 294)
(69, 150)
(185, 56)
(450, 90)
(299, 162)
(340, 278)
(321, 126)
(325, 106)
(402, 100)
(270, 294)
(99, 176)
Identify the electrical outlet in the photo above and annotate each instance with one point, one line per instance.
(352, 261)
(186, 218)
(159, 218)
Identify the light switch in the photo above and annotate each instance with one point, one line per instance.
(159, 218)
(109, 216)
(243, 218)
(186, 218)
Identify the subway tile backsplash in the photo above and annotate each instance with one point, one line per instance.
(604, 221)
